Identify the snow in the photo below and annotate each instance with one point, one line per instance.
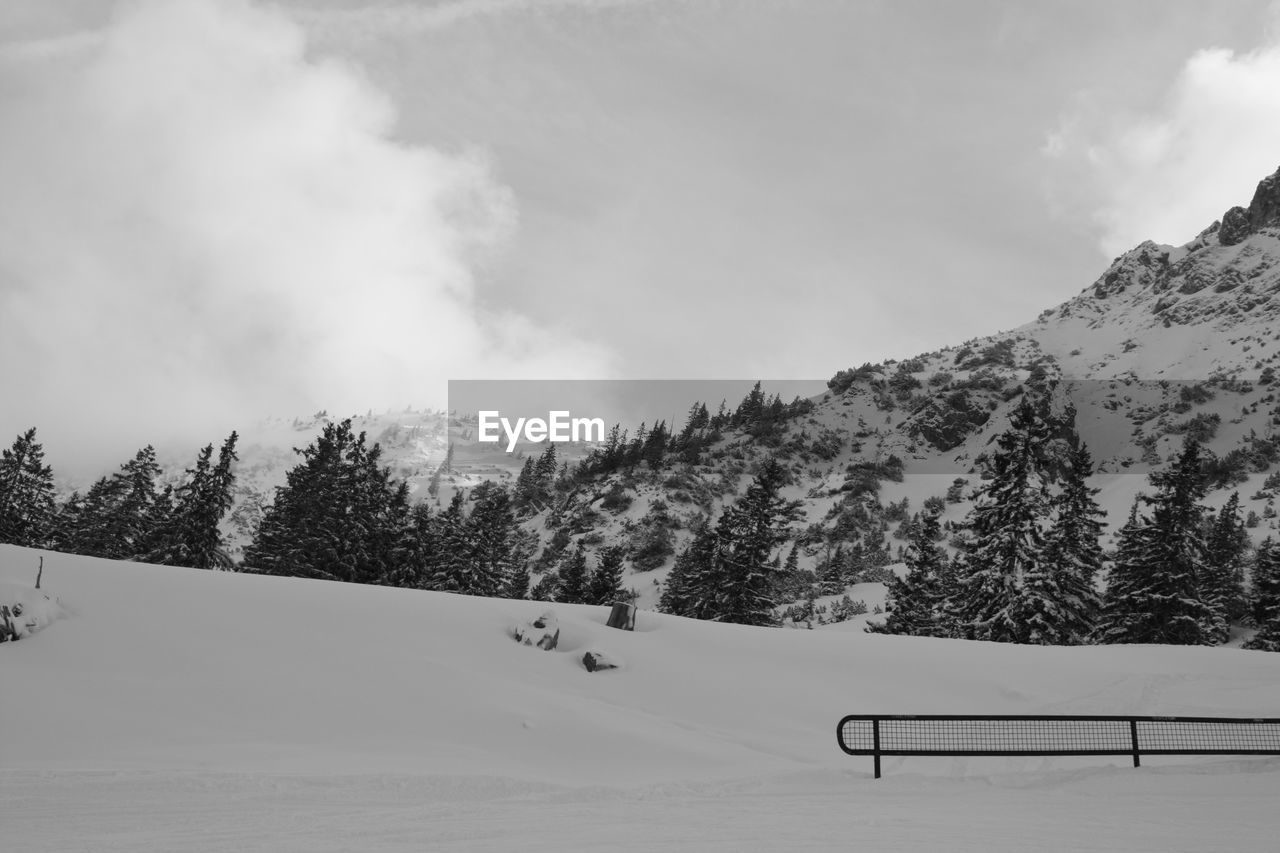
(178, 709)
(30, 609)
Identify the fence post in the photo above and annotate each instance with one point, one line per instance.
(875, 743)
(623, 615)
(1133, 734)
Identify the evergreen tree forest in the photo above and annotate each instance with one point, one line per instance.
(1029, 566)
(1026, 565)
(1164, 586)
(758, 415)
(1025, 571)
(125, 516)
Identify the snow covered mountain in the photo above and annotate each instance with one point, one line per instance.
(1209, 307)
(1168, 340)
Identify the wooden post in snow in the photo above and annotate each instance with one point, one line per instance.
(623, 616)
(7, 630)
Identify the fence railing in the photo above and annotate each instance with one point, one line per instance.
(982, 735)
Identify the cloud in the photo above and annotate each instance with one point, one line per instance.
(407, 18)
(202, 223)
(1166, 174)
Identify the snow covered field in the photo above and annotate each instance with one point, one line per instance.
(171, 709)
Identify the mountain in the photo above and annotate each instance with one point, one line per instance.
(1169, 341)
(1206, 308)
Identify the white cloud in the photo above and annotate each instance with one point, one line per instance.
(203, 223)
(407, 18)
(1167, 174)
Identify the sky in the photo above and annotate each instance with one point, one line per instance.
(221, 210)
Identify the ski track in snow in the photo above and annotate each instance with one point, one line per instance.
(1222, 805)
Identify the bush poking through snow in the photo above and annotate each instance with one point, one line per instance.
(543, 632)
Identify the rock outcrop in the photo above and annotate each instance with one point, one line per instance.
(595, 661)
(1238, 222)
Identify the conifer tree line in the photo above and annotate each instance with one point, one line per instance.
(124, 516)
(342, 516)
(1030, 564)
(758, 415)
(1029, 567)
(339, 516)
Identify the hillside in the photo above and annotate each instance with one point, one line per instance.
(1168, 341)
(176, 709)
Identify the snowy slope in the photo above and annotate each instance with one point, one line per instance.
(177, 709)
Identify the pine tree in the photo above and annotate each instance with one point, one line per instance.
(1154, 594)
(119, 515)
(605, 586)
(746, 567)
(544, 475)
(1266, 597)
(573, 577)
(1226, 543)
(719, 420)
(168, 543)
(655, 446)
(1124, 583)
(913, 601)
(651, 541)
(66, 519)
(27, 506)
(1061, 603)
(691, 439)
(340, 515)
(526, 485)
(991, 602)
(141, 507)
(492, 557)
(189, 534)
(686, 588)
(750, 409)
(446, 547)
(833, 573)
(545, 589)
(421, 544)
(84, 520)
(516, 584)
(635, 449)
(792, 565)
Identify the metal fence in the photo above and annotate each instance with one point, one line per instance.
(900, 735)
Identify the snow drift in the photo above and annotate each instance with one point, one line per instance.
(202, 710)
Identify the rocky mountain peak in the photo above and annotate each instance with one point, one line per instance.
(1238, 222)
(1228, 275)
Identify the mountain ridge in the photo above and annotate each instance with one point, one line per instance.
(1167, 340)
